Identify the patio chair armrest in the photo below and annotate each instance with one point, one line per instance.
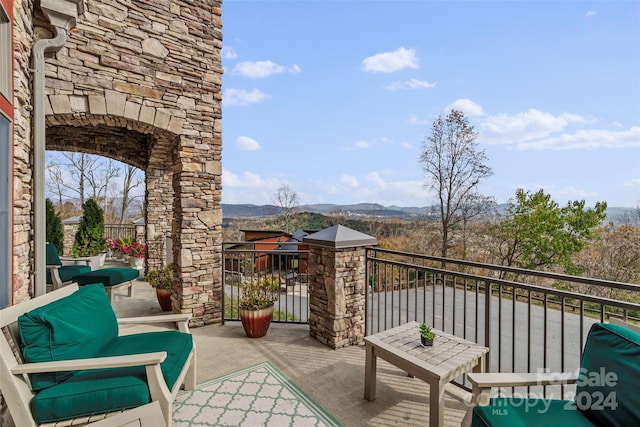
(76, 261)
(482, 383)
(181, 320)
(92, 363)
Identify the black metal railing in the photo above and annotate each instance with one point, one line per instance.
(530, 320)
(284, 262)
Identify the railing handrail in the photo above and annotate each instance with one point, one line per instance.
(544, 274)
(525, 286)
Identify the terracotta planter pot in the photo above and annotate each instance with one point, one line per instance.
(164, 298)
(256, 322)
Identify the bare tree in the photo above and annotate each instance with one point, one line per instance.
(131, 180)
(55, 184)
(79, 164)
(99, 177)
(287, 199)
(453, 166)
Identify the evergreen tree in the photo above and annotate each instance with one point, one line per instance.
(89, 240)
(55, 235)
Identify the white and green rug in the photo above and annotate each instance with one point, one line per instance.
(257, 396)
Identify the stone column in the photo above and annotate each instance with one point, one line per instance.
(337, 285)
(197, 244)
(158, 215)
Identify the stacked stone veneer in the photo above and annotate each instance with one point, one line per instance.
(140, 82)
(337, 295)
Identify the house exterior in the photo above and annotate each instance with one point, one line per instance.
(267, 244)
(137, 81)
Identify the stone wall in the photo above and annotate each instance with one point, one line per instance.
(23, 158)
(140, 82)
(337, 295)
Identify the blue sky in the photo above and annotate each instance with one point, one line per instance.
(335, 98)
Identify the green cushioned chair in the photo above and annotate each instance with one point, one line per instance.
(79, 366)
(57, 273)
(607, 387)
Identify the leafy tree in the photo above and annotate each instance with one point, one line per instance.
(89, 239)
(536, 232)
(453, 166)
(55, 234)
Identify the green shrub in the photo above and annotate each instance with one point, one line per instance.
(55, 235)
(89, 239)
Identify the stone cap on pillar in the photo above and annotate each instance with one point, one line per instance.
(340, 237)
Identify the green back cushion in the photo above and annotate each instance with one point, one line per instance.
(52, 255)
(608, 390)
(78, 326)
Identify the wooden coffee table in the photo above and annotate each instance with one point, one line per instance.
(449, 358)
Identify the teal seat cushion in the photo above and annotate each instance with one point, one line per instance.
(68, 272)
(99, 391)
(608, 388)
(507, 412)
(78, 326)
(107, 276)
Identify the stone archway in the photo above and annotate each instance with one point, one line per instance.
(141, 83)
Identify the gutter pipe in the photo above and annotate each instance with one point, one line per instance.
(39, 144)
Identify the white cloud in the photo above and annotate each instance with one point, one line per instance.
(406, 145)
(233, 96)
(229, 53)
(358, 145)
(349, 181)
(249, 187)
(559, 193)
(632, 183)
(587, 139)
(414, 120)
(262, 69)
(411, 85)
(247, 144)
(590, 13)
(532, 124)
(388, 62)
(468, 107)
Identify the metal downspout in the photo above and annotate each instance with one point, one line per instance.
(39, 143)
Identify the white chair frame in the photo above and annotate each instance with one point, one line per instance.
(14, 381)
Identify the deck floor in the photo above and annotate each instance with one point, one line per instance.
(333, 378)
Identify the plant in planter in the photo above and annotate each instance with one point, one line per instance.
(256, 305)
(137, 252)
(89, 240)
(426, 335)
(162, 281)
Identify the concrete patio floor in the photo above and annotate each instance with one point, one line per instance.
(333, 378)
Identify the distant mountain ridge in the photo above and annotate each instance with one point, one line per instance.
(364, 209)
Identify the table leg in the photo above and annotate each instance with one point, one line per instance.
(436, 404)
(370, 373)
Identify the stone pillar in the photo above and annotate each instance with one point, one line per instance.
(69, 229)
(337, 285)
(197, 230)
(158, 215)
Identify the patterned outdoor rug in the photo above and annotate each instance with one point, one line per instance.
(257, 396)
